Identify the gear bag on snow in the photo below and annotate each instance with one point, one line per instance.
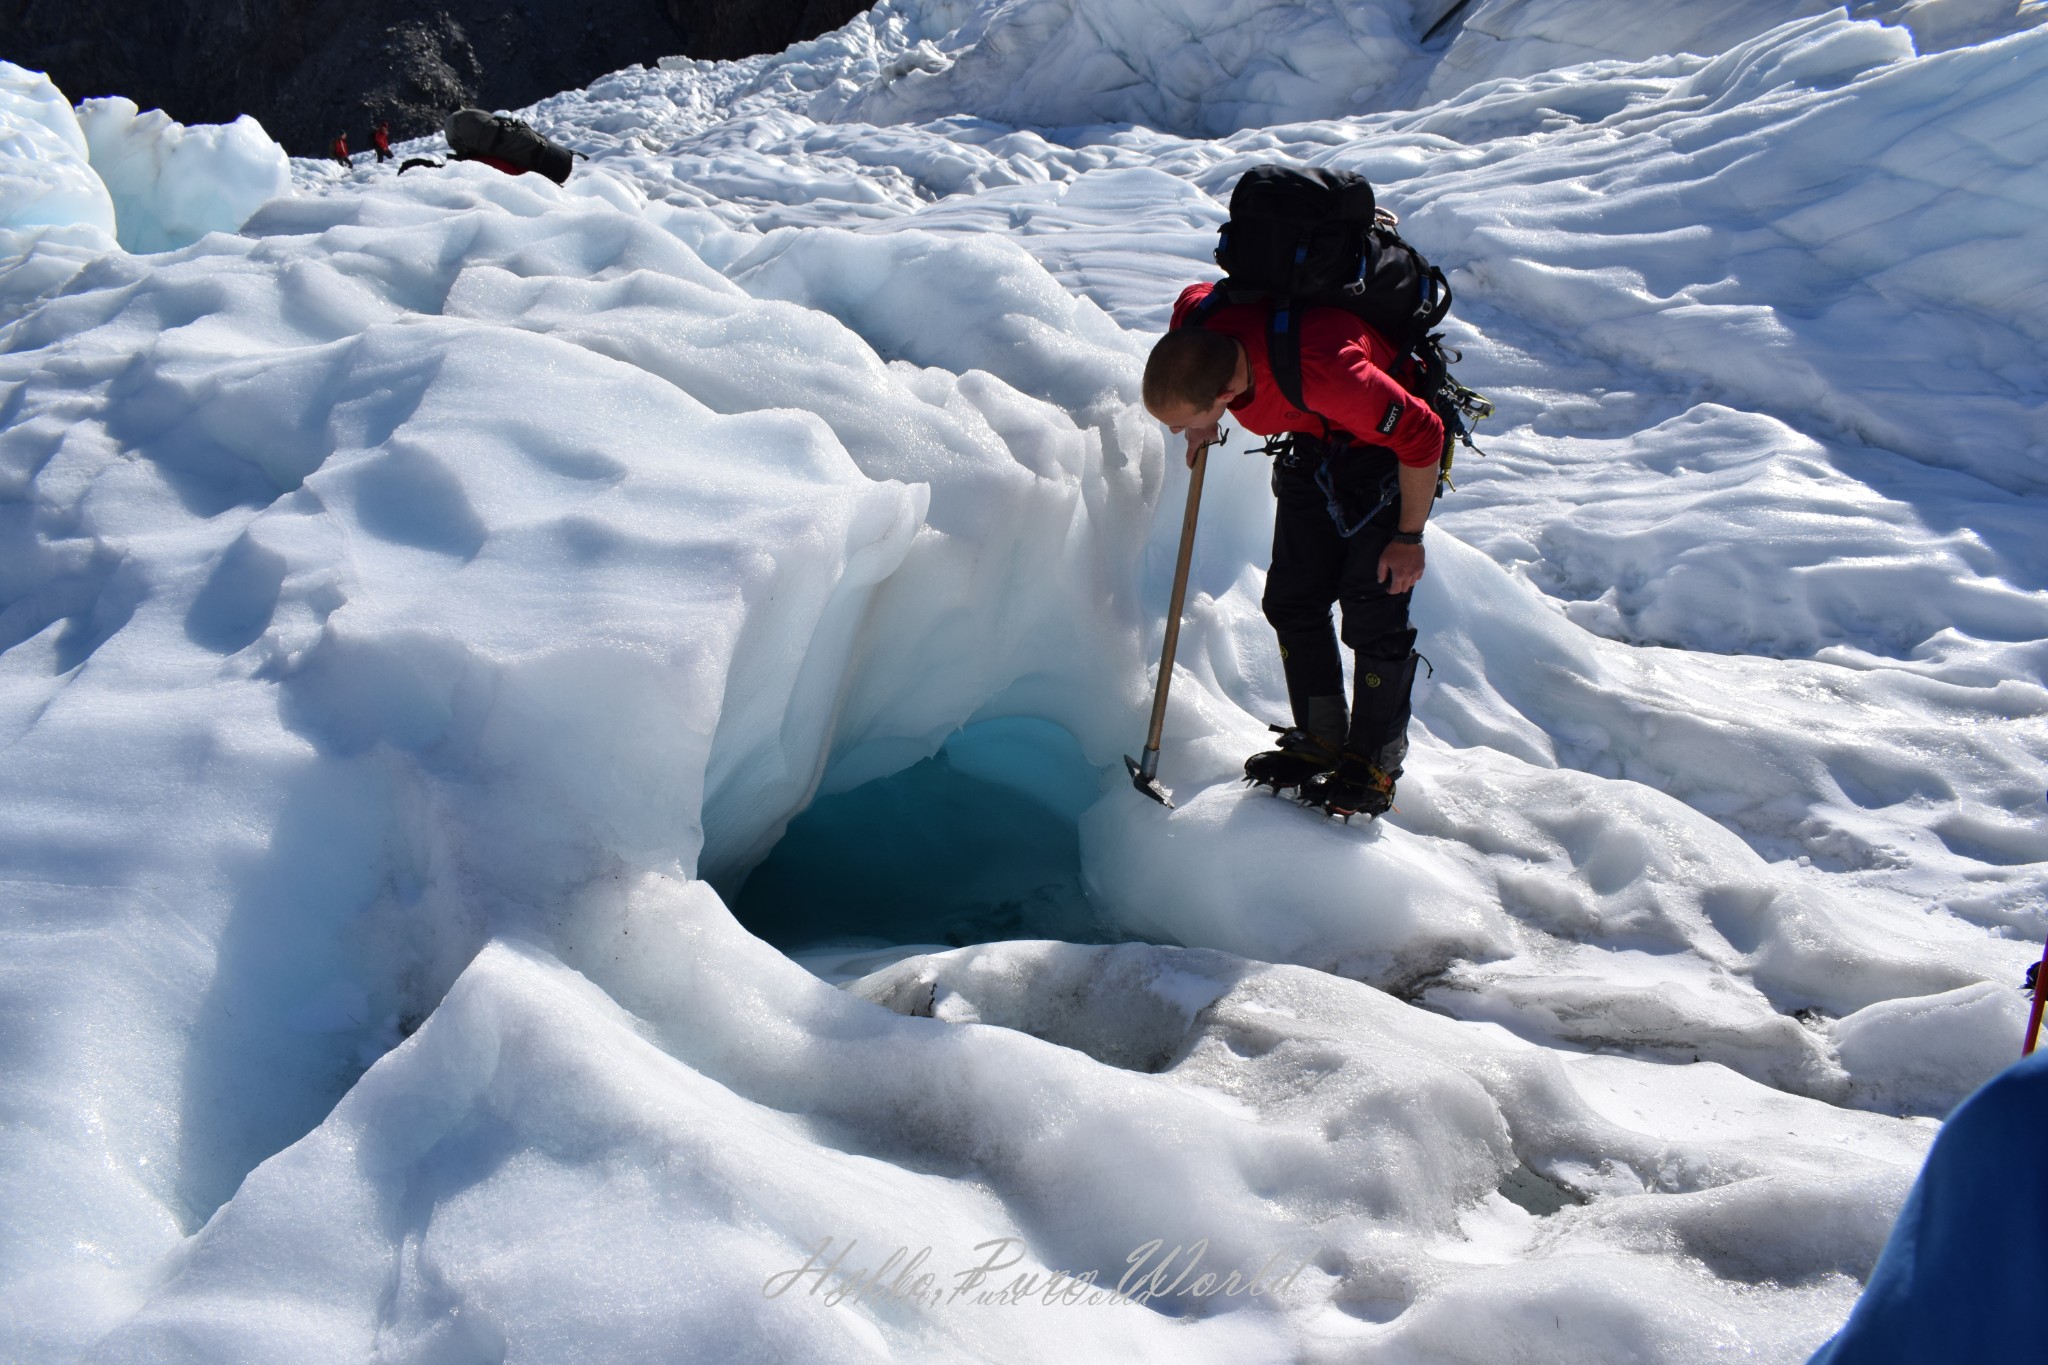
(1302, 239)
(495, 137)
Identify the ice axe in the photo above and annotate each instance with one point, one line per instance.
(1145, 774)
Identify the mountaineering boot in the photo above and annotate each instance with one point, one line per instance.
(1356, 786)
(1379, 701)
(1380, 707)
(1308, 748)
(1362, 783)
(1301, 756)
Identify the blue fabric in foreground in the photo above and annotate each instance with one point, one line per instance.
(1965, 1273)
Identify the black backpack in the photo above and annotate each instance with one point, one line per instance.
(474, 133)
(1301, 239)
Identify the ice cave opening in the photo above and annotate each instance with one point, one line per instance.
(977, 843)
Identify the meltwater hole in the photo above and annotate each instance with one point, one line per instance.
(977, 843)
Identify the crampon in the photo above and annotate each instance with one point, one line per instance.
(1299, 758)
(1354, 787)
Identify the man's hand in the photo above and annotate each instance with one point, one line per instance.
(1401, 567)
(1199, 438)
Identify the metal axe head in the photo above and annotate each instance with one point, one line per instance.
(1146, 783)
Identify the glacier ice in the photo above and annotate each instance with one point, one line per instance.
(421, 595)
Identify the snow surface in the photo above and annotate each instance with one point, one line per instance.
(425, 607)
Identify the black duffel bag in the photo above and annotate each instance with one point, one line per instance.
(476, 135)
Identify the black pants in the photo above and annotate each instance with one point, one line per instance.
(1316, 566)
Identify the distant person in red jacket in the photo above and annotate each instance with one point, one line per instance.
(1355, 483)
(339, 151)
(381, 140)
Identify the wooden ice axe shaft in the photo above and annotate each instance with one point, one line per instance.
(1145, 773)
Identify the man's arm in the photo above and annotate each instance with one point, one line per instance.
(1342, 381)
(1401, 565)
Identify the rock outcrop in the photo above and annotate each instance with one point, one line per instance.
(311, 68)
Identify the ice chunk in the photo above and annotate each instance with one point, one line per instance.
(172, 184)
(46, 179)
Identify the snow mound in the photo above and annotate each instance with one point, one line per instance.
(1925, 1054)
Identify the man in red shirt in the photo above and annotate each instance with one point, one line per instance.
(380, 138)
(1355, 484)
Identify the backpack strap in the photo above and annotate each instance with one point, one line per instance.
(1283, 340)
(1210, 302)
(1283, 343)
(1433, 313)
(1283, 355)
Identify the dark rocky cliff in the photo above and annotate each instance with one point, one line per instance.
(311, 68)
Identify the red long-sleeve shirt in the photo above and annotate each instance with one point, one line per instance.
(1345, 380)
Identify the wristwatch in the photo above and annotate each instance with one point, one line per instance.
(1407, 537)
